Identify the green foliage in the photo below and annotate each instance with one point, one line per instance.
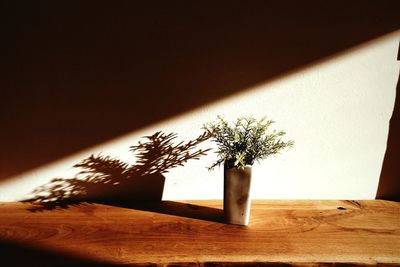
(244, 142)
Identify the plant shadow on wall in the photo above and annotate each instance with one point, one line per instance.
(106, 180)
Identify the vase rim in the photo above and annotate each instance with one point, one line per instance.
(234, 167)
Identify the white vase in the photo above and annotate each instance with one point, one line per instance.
(237, 199)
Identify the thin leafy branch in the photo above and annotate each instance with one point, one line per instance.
(245, 142)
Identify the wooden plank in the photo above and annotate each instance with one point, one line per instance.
(309, 233)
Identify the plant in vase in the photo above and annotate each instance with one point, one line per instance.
(240, 145)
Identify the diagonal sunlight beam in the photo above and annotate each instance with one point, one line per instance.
(336, 109)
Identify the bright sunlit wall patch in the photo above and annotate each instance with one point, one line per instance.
(337, 110)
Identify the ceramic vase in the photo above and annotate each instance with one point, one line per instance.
(237, 201)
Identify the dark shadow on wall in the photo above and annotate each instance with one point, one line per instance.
(389, 183)
(77, 74)
(109, 181)
(103, 179)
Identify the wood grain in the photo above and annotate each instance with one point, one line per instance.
(297, 233)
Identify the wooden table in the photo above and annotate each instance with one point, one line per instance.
(281, 233)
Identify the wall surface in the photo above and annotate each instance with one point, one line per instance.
(79, 80)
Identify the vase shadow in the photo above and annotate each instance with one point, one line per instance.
(110, 181)
(169, 207)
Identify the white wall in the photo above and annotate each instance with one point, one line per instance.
(337, 110)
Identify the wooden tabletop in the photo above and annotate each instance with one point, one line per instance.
(297, 233)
